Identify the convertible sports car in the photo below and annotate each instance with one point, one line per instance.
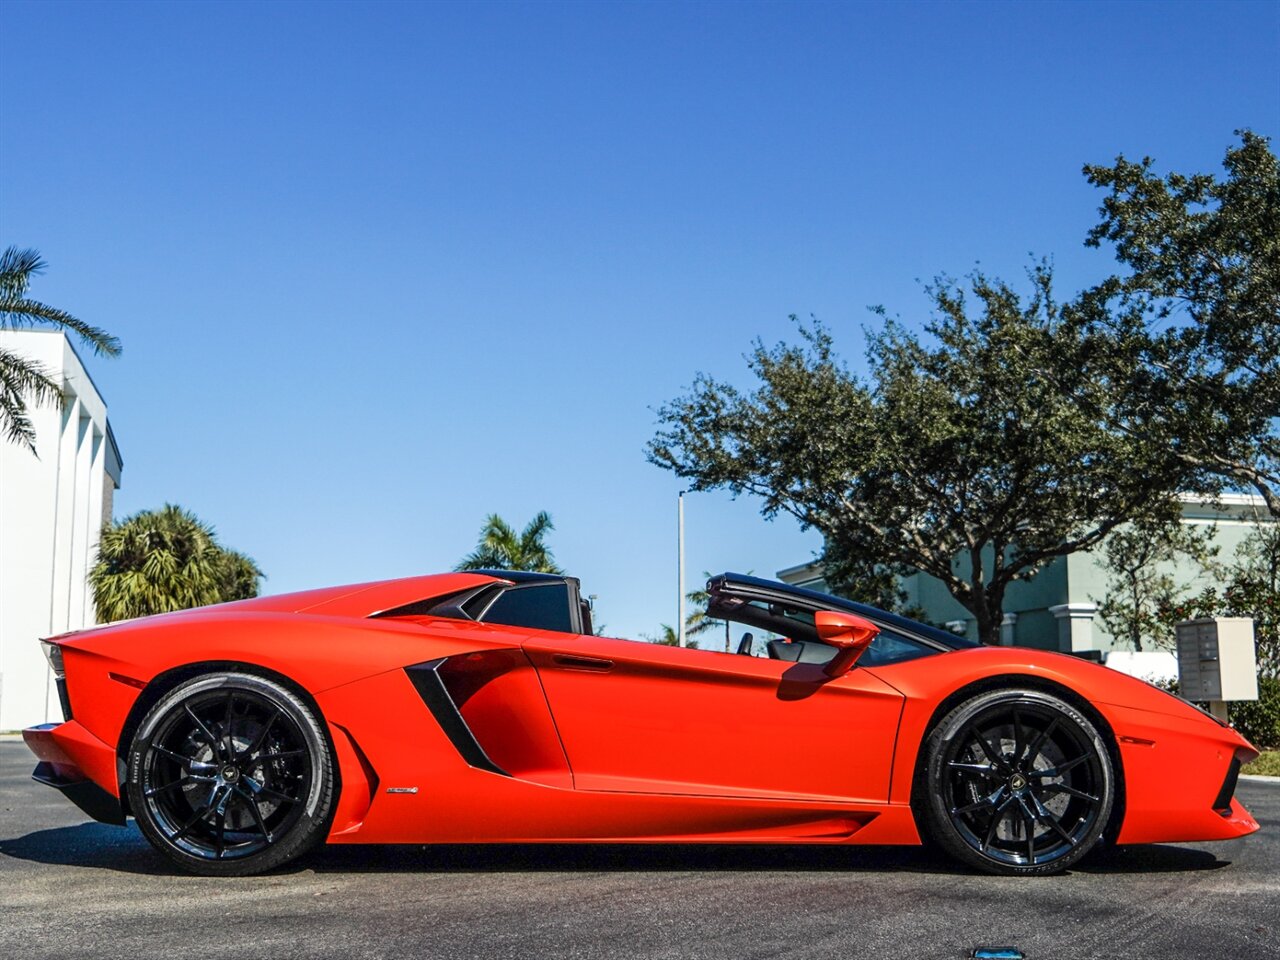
(480, 707)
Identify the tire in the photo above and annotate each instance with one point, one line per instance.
(1017, 783)
(231, 774)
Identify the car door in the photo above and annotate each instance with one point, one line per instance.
(646, 718)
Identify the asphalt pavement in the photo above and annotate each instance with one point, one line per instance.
(73, 888)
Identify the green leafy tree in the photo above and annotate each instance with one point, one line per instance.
(1249, 587)
(1192, 330)
(158, 561)
(967, 455)
(1141, 585)
(1258, 556)
(501, 548)
(22, 381)
(863, 578)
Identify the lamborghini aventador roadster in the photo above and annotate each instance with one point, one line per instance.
(480, 707)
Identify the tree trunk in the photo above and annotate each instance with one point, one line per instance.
(1135, 628)
(988, 611)
(989, 624)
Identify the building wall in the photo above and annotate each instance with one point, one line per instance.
(53, 505)
(1056, 610)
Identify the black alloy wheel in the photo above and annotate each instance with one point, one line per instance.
(1019, 782)
(231, 774)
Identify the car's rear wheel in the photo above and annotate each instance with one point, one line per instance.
(231, 774)
(1019, 782)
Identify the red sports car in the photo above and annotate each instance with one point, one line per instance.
(480, 707)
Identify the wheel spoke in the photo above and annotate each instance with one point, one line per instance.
(1017, 737)
(261, 737)
(1061, 768)
(982, 769)
(1034, 750)
(1057, 828)
(1029, 821)
(995, 823)
(1072, 764)
(220, 841)
(213, 741)
(257, 814)
(1072, 791)
(199, 815)
(262, 790)
(991, 753)
(226, 725)
(990, 801)
(279, 754)
(1045, 816)
(154, 791)
(177, 757)
(276, 795)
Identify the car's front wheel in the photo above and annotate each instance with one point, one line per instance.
(1018, 782)
(231, 774)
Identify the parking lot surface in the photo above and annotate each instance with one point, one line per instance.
(73, 888)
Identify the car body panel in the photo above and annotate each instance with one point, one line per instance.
(448, 730)
(703, 723)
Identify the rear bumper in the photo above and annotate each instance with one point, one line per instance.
(73, 761)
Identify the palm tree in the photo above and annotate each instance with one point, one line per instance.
(501, 548)
(698, 621)
(667, 637)
(21, 380)
(158, 561)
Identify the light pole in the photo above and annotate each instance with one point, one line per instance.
(680, 567)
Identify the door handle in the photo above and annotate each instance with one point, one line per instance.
(582, 663)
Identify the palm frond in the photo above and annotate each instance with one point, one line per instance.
(17, 267)
(23, 376)
(23, 381)
(538, 527)
(18, 312)
(14, 421)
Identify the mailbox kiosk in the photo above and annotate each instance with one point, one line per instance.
(1217, 661)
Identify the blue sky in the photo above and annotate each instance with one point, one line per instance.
(380, 269)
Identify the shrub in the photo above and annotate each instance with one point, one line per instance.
(1259, 720)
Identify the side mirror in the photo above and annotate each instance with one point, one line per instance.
(849, 633)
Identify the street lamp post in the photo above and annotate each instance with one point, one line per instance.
(680, 567)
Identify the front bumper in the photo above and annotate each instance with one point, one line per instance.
(75, 762)
(1180, 778)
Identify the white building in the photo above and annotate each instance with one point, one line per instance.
(53, 505)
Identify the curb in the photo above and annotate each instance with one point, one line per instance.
(1259, 778)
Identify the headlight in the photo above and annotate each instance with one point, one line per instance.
(53, 653)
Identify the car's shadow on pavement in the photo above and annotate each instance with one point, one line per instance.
(97, 846)
(93, 845)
